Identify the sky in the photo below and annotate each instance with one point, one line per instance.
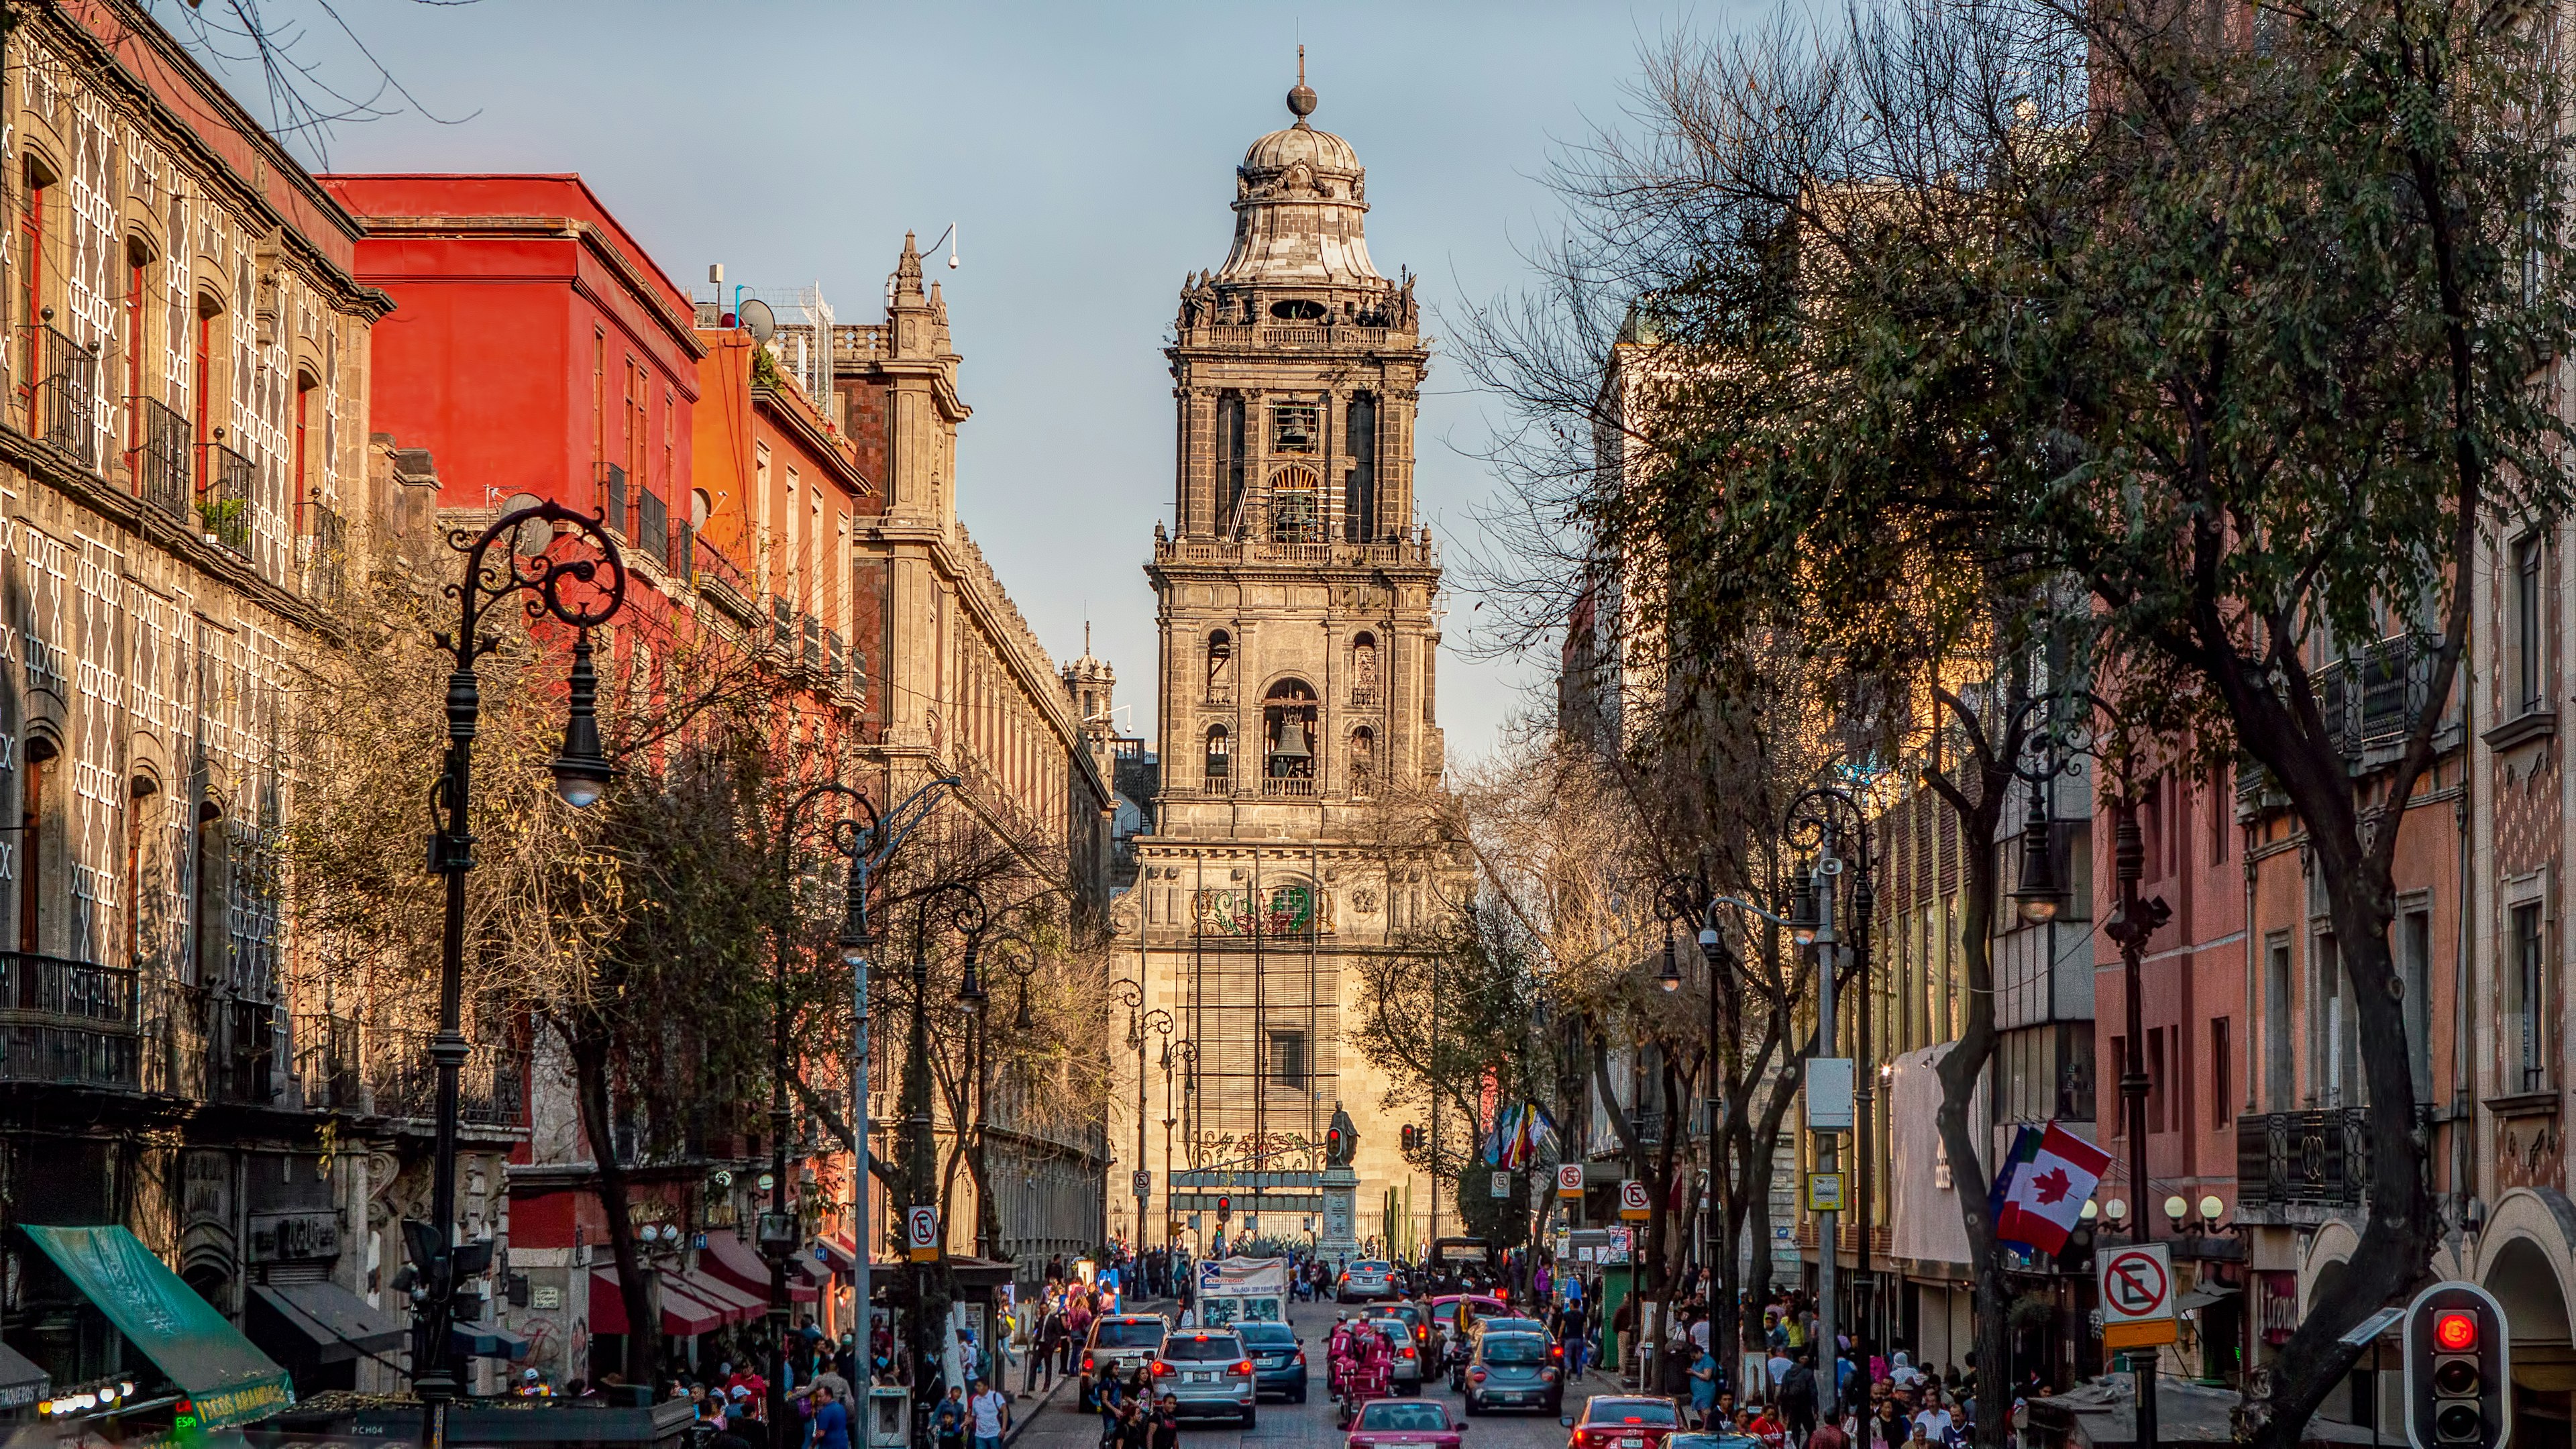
(1086, 155)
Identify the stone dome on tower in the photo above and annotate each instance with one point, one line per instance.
(1300, 198)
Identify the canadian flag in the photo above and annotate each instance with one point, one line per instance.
(2046, 1196)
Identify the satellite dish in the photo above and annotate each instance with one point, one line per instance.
(530, 538)
(763, 323)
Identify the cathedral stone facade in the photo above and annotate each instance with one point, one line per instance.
(1298, 603)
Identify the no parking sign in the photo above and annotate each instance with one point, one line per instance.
(921, 1232)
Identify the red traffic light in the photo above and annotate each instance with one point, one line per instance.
(2455, 1331)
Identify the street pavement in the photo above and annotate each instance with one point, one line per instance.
(1051, 1422)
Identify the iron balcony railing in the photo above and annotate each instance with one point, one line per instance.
(72, 1022)
(326, 559)
(161, 458)
(782, 626)
(492, 1088)
(327, 1062)
(2373, 696)
(653, 528)
(241, 1058)
(609, 497)
(223, 506)
(62, 394)
(2318, 1158)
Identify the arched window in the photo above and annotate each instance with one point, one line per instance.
(1364, 670)
(1288, 739)
(1296, 505)
(1220, 758)
(1363, 761)
(1220, 668)
(38, 808)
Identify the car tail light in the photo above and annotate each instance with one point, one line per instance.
(1548, 1374)
(1556, 1350)
(1162, 1370)
(1408, 1353)
(1301, 1358)
(1086, 1363)
(1242, 1366)
(1475, 1376)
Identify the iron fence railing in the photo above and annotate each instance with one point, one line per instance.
(492, 1088)
(62, 395)
(327, 1062)
(2373, 696)
(2318, 1157)
(73, 1022)
(326, 558)
(224, 504)
(610, 497)
(161, 458)
(652, 527)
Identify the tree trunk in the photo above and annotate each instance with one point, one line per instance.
(590, 1083)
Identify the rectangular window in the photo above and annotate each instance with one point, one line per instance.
(1359, 502)
(133, 353)
(2222, 1089)
(2120, 1062)
(1229, 458)
(2528, 641)
(2530, 1002)
(2415, 971)
(32, 806)
(2333, 1023)
(31, 287)
(598, 398)
(2278, 1089)
(2155, 1079)
(203, 387)
(1295, 428)
(1288, 1059)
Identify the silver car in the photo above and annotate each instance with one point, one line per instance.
(1407, 1378)
(1365, 1280)
(1208, 1376)
(1124, 1341)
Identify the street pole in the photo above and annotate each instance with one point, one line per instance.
(921, 1154)
(581, 774)
(1828, 868)
(1864, 900)
(2136, 922)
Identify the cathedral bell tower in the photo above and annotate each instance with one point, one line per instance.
(1297, 601)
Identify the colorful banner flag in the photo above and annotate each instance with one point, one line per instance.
(2046, 1197)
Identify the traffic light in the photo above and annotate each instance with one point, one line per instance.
(2457, 1350)
(1224, 1207)
(1408, 1138)
(1333, 1142)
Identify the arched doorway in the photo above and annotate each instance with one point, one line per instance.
(2518, 1271)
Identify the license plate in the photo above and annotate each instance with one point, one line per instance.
(1632, 1444)
(1202, 1378)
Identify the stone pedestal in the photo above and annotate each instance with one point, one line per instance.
(1336, 1244)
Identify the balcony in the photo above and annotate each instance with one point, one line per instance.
(652, 528)
(608, 497)
(491, 1089)
(2316, 1160)
(1288, 787)
(326, 556)
(69, 1022)
(160, 459)
(223, 509)
(62, 393)
(2372, 697)
(327, 1063)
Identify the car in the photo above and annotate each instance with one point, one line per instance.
(1728, 1440)
(1476, 1332)
(1383, 1423)
(1407, 1378)
(1417, 1324)
(1208, 1375)
(1622, 1421)
(1278, 1360)
(1124, 1340)
(1514, 1371)
(1365, 1280)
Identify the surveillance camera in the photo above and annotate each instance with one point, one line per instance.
(952, 264)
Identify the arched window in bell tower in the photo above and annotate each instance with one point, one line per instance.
(1359, 487)
(1229, 464)
(1220, 758)
(1220, 668)
(1296, 505)
(1363, 761)
(1288, 739)
(1364, 671)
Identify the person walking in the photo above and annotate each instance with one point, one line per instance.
(990, 1411)
(830, 1426)
(1798, 1392)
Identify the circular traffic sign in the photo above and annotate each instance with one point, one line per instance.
(2135, 1285)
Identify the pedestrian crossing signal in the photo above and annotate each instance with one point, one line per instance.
(2457, 1355)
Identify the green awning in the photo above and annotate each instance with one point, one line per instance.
(230, 1381)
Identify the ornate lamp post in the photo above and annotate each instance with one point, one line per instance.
(778, 1226)
(966, 914)
(582, 593)
(1182, 1055)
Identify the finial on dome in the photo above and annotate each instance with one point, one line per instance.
(1301, 101)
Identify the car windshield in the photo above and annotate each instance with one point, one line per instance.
(1397, 1331)
(1265, 1335)
(1515, 1348)
(1632, 1411)
(1128, 1333)
(1399, 1417)
(1512, 1325)
(1202, 1348)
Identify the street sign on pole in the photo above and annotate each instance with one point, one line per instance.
(1569, 1179)
(2136, 1293)
(1632, 1201)
(1144, 1183)
(921, 1232)
(1499, 1185)
(1824, 1192)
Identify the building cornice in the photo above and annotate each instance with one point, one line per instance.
(640, 284)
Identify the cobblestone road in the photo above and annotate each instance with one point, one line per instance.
(1055, 1425)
